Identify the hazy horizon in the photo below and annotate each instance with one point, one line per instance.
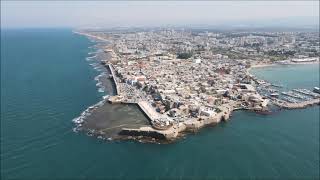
(80, 14)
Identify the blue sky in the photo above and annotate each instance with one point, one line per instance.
(77, 14)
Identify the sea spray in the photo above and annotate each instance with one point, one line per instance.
(80, 120)
(97, 66)
(91, 58)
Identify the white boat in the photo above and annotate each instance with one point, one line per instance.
(316, 90)
(274, 94)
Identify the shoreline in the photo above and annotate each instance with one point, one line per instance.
(150, 134)
(278, 64)
(90, 36)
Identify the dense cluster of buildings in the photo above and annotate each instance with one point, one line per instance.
(183, 80)
(233, 45)
(180, 75)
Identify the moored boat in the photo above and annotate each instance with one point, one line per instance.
(316, 90)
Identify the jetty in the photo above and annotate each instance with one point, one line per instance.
(156, 130)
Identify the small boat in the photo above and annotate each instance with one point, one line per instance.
(274, 94)
(264, 112)
(316, 90)
(91, 108)
(277, 85)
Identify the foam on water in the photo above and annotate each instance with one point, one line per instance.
(79, 120)
(99, 68)
(91, 58)
(101, 90)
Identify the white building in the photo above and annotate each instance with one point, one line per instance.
(197, 61)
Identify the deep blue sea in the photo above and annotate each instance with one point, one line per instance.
(46, 82)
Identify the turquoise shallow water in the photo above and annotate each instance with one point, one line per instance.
(46, 82)
(291, 76)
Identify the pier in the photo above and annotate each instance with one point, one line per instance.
(307, 92)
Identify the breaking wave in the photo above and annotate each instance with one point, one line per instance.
(78, 121)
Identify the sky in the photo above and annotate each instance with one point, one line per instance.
(84, 14)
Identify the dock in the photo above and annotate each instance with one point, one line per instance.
(307, 92)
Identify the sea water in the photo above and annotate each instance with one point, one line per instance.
(46, 81)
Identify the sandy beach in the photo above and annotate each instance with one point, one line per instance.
(263, 65)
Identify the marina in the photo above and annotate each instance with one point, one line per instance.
(307, 92)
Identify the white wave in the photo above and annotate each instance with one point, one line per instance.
(79, 120)
(105, 97)
(75, 129)
(97, 77)
(91, 57)
(88, 59)
(94, 65)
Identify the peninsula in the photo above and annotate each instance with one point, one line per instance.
(183, 80)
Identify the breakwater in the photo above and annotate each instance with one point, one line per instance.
(111, 69)
(172, 132)
(297, 105)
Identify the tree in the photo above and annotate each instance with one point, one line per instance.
(184, 55)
